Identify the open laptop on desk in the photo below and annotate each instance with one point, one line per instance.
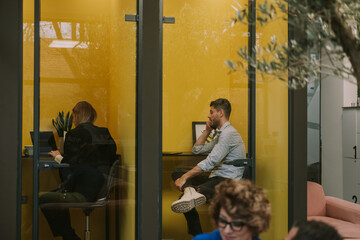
(46, 143)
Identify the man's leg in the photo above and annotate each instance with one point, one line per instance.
(192, 216)
(208, 188)
(190, 198)
(193, 222)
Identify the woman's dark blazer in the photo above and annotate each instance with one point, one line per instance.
(90, 151)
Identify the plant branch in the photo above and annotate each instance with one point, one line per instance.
(347, 40)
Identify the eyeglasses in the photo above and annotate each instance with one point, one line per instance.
(236, 226)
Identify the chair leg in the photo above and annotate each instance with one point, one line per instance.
(87, 228)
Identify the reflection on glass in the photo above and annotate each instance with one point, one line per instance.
(272, 132)
(87, 53)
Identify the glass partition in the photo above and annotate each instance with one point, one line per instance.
(87, 53)
(195, 49)
(194, 74)
(272, 132)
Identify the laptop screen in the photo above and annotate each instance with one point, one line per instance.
(46, 141)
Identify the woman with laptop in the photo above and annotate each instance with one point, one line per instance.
(90, 151)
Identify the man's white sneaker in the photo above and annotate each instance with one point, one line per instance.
(188, 201)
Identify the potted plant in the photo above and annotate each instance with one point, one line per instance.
(62, 125)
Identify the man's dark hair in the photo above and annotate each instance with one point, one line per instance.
(224, 104)
(315, 230)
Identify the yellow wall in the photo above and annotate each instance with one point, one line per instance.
(122, 104)
(194, 72)
(272, 135)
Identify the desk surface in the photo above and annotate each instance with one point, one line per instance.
(181, 154)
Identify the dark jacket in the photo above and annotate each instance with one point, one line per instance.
(90, 151)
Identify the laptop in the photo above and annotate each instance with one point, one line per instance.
(46, 143)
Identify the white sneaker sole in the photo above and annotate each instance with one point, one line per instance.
(183, 206)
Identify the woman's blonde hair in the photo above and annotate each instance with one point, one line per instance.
(242, 200)
(83, 112)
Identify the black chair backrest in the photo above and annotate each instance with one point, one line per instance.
(247, 163)
(247, 172)
(109, 181)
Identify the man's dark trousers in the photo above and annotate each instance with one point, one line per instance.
(202, 184)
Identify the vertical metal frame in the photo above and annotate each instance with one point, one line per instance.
(20, 121)
(252, 88)
(297, 149)
(160, 132)
(37, 11)
(149, 120)
(10, 123)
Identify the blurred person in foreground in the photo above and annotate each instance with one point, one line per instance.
(240, 210)
(312, 230)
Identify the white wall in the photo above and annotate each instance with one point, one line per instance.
(335, 94)
(313, 144)
(350, 93)
(332, 100)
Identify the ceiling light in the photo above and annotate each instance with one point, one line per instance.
(63, 44)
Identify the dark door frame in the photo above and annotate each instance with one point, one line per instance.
(10, 121)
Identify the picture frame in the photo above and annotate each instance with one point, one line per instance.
(197, 129)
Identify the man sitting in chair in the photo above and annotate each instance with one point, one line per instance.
(224, 148)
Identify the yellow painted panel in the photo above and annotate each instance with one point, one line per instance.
(194, 72)
(122, 106)
(272, 135)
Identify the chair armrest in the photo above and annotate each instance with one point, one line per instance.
(341, 209)
(240, 162)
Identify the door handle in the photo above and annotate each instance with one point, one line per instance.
(131, 18)
(355, 151)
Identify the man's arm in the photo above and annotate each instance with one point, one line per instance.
(192, 173)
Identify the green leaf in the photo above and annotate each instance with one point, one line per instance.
(230, 64)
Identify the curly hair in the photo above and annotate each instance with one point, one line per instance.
(241, 199)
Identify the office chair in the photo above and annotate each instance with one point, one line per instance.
(247, 163)
(88, 207)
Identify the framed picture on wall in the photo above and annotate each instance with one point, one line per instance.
(197, 130)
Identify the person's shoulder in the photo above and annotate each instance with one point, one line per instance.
(209, 236)
(82, 130)
(230, 129)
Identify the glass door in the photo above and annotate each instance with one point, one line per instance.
(195, 49)
(87, 58)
